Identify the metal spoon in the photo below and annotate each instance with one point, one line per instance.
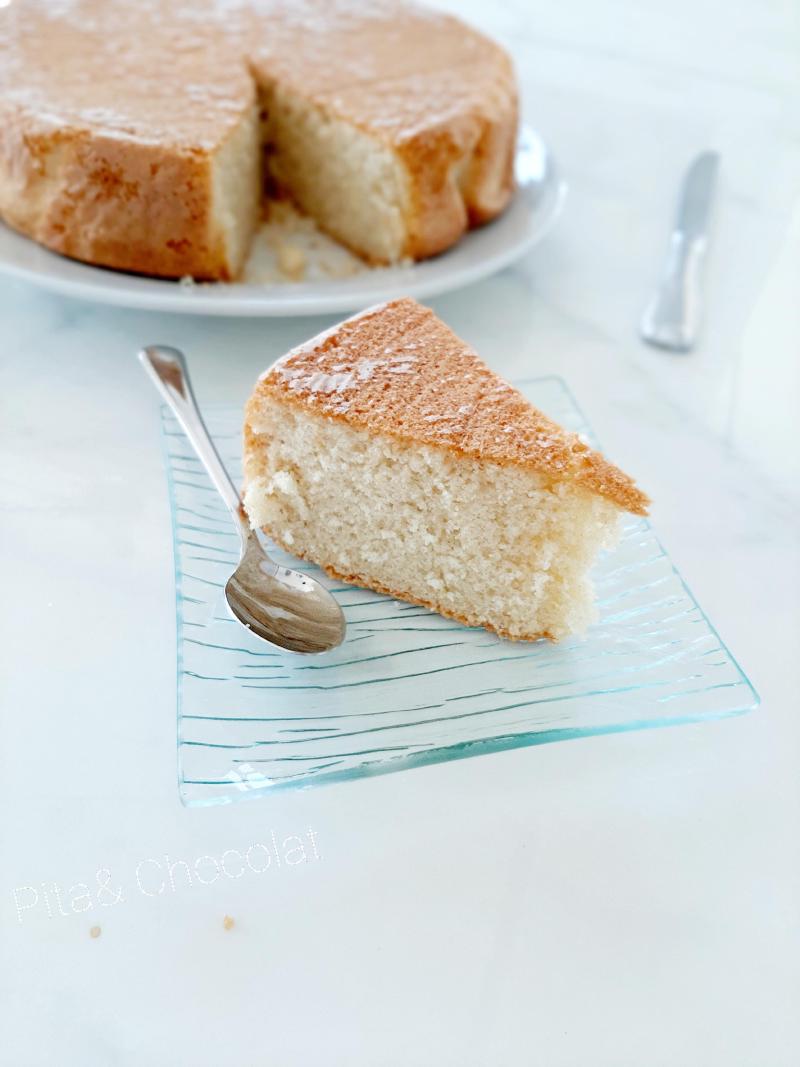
(279, 605)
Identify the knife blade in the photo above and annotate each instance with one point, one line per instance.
(672, 317)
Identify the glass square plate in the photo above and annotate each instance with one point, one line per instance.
(409, 687)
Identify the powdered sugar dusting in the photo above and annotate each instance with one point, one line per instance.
(180, 71)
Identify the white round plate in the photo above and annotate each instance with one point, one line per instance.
(535, 207)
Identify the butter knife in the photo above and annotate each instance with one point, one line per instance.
(672, 317)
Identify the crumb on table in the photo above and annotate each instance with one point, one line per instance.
(95, 931)
(228, 922)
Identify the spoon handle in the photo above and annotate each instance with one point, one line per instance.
(167, 369)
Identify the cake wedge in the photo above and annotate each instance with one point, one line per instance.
(388, 453)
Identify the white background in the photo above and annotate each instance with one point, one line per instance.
(629, 900)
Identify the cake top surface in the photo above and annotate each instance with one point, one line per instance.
(182, 72)
(398, 369)
(143, 70)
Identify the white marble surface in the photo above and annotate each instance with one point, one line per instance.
(618, 901)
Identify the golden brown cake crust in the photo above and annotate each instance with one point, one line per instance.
(111, 112)
(146, 211)
(397, 369)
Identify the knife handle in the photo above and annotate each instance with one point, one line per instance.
(672, 317)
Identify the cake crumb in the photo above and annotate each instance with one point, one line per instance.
(289, 247)
(228, 922)
(292, 261)
(95, 931)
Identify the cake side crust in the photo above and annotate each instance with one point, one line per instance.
(127, 205)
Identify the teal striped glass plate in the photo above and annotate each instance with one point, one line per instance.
(409, 687)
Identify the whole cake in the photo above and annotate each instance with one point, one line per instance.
(139, 134)
(385, 451)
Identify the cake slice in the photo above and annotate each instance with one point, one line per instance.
(385, 451)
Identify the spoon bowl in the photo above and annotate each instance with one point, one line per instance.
(284, 607)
